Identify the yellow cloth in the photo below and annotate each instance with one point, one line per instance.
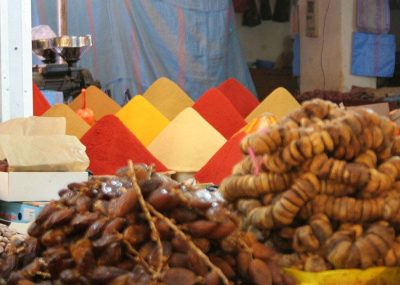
(167, 97)
(280, 103)
(98, 102)
(75, 125)
(187, 143)
(142, 119)
(371, 276)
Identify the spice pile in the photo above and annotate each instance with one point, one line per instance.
(323, 186)
(139, 228)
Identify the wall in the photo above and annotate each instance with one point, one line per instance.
(326, 60)
(395, 25)
(263, 41)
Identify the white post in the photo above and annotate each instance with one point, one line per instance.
(15, 59)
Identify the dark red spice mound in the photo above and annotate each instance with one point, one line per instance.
(217, 110)
(221, 164)
(40, 103)
(109, 145)
(240, 97)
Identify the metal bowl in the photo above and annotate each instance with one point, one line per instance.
(44, 50)
(71, 48)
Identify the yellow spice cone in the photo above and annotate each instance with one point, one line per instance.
(187, 143)
(280, 103)
(167, 97)
(98, 101)
(142, 119)
(75, 125)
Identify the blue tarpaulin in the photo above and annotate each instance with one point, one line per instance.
(296, 55)
(194, 43)
(373, 55)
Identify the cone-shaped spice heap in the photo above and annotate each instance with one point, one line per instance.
(97, 101)
(40, 103)
(142, 119)
(75, 125)
(167, 97)
(280, 103)
(109, 144)
(240, 97)
(221, 164)
(140, 228)
(324, 183)
(219, 112)
(187, 143)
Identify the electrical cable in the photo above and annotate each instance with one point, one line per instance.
(323, 43)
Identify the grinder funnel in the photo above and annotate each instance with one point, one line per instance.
(71, 48)
(43, 48)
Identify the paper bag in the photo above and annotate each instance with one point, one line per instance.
(43, 153)
(381, 109)
(34, 126)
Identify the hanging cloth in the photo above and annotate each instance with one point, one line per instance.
(265, 10)
(251, 17)
(282, 11)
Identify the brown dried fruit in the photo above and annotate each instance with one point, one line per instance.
(212, 278)
(70, 276)
(104, 274)
(82, 221)
(53, 237)
(122, 205)
(202, 243)
(260, 273)
(179, 276)
(96, 228)
(183, 215)
(111, 255)
(114, 226)
(163, 229)
(83, 204)
(263, 252)
(179, 244)
(162, 200)
(224, 229)
(82, 254)
(178, 260)
(101, 206)
(58, 217)
(105, 241)
(202, 228)
(223, 265)
(243, 261)
(196, 264)
(47, 210)
(136, 234)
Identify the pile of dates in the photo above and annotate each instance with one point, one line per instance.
(139, 227)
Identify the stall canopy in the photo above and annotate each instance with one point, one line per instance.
(194, 43)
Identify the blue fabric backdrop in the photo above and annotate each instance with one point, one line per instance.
(373, 55)
(192, 42)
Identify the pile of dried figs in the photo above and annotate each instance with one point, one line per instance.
(323, 186)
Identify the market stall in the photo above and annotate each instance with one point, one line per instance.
(149, 159)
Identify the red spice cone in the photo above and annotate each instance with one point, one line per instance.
(217, 110)
(109, 145)
(221, 164)
(40, 103)
(240, 97)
